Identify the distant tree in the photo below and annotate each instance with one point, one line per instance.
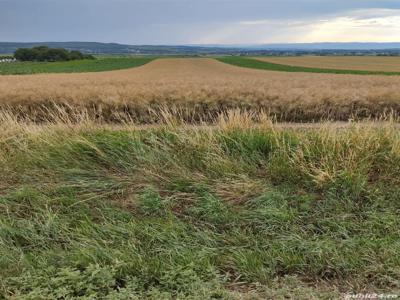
(56, 55)
(88, 56)
(75, 55)
(44, 53)
(24, 54)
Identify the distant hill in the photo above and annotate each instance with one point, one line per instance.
(267, 49)
(327, 46)
(113, 48)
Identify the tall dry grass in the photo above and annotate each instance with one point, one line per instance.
(178, 211)
(200, 89)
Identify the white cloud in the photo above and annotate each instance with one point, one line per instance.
(372, 25)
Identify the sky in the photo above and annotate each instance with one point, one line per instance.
(175, 22)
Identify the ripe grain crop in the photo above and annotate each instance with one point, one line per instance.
(363, 63)
(200, 88)
(241, 210)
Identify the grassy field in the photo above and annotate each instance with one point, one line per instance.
(200, 88)
(98, 65)
(273, 65)
(240, 210)
(363, 63)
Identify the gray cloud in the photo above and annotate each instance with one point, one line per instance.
(174, 21)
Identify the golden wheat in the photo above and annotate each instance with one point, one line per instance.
(200, 87)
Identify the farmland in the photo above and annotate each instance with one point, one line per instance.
(363, 63)
(263, 63)
(198, 88)
(181, 179)
(98, 65)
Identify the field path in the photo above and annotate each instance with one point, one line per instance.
(196, 69)
(164, 69)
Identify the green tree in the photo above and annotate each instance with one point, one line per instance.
(44, 53)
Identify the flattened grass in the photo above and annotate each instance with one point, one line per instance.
(253, 63)
(232, 212)
(77, 66)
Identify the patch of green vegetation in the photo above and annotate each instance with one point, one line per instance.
(246, 62)
(175, 213)
(76, 66)
(44, 53)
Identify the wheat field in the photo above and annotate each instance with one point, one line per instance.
(362, 63)
(200, 87)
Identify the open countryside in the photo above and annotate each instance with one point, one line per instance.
(214, 179)
(178, 150)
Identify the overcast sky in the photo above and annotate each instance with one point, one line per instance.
(200, 21)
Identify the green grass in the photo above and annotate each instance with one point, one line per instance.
(173, 213)
(98, 65)
(262, 65)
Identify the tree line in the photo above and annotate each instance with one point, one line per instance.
(44, 53)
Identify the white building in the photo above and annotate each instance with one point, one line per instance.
(7, 60)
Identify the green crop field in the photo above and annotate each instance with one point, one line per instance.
(98, 65)
(265, 65)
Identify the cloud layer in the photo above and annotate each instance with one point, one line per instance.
(200, 21)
